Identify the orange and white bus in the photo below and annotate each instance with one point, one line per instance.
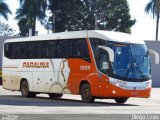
(93, 64)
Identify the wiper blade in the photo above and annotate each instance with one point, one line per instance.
(137, 65)
(128, 70)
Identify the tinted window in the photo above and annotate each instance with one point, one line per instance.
(11, 50)
(95, 43)
(75, 48)
(50, 49)
(64, 49)
(23, 51)
(80, 49)
(7, 50)
(38, 50)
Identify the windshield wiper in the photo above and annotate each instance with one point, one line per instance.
(134, 66)
(131, 64)
(128, 70)
(137, 65)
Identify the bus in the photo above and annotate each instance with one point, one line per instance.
(94, 64)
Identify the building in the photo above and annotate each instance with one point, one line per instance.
(155, 68)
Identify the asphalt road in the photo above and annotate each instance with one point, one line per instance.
(71, 106)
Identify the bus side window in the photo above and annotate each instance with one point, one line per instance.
(80, 49)
(76, 53)
(94, 44)
(64, 49)
(103, 59)
(7, 50)
(22, 50)
(84, 49)
(14, 51)
(30, 51)
(38, 50)
(50, 49)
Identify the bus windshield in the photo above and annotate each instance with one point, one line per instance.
(131, 61)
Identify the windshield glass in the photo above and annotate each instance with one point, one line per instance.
(131, 61)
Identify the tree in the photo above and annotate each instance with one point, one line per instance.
(84, 14)
(114, 15)
(23, 27)
(64, 13)
(4, 10)
(30, 10)
(6, 30)
(154, 7)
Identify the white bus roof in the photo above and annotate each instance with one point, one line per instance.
(106, 35)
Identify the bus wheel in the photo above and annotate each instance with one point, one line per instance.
(121, 100)
(25, 90)
(32, 94)
(55, 95)
(86, 94)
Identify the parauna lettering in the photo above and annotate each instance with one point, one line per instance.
(35, 65)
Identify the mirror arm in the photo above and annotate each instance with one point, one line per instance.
(110, 52)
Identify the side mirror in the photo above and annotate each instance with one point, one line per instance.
(110, 52)
(105, 65)
(155, 54)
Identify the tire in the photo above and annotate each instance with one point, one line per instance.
(86, 94)
(32, 94)
(121, 100)
(55, 95)
(25, 90)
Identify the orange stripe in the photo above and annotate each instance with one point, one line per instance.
(10, 67)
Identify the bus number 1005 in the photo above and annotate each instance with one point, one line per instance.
(85, 67)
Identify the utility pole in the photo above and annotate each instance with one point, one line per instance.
(96, 22)
(54, 21)
(30, 32)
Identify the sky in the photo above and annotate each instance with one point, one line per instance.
(144, 27)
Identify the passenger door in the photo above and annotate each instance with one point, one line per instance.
(103, 79)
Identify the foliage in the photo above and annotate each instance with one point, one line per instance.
(80, 15)
(153, 6)
(75, 15)
(23, 27)
(4, 10)
(6, 30)
(30, 10)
